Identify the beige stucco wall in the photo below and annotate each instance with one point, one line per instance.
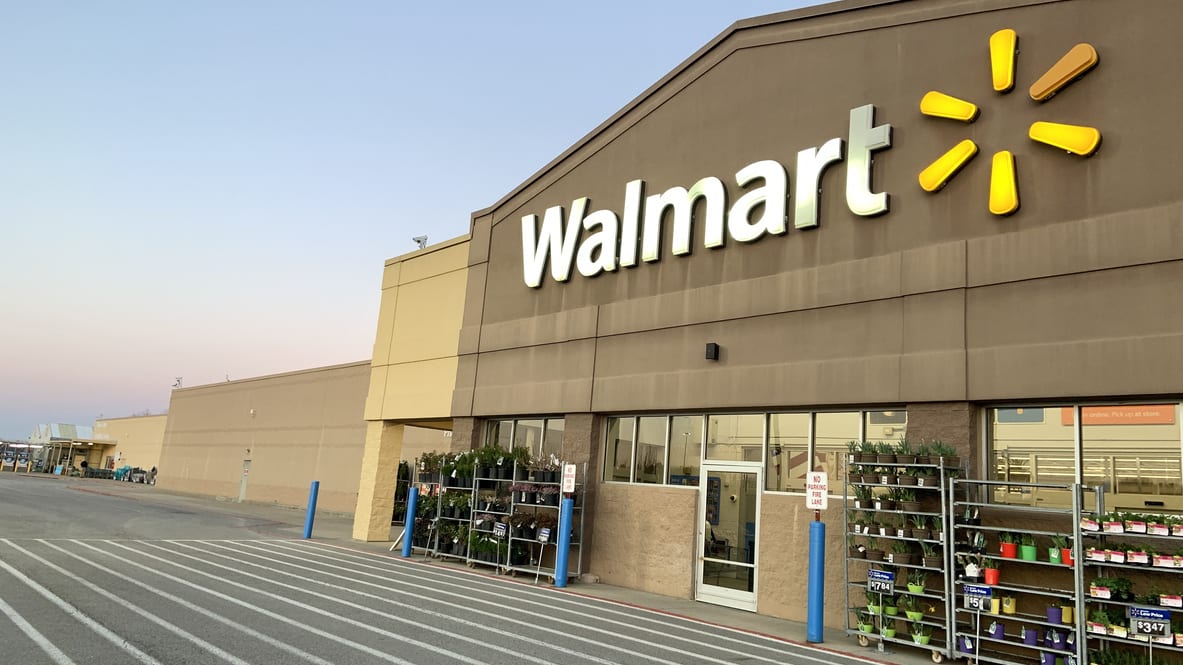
(414, 362)
(644, 537)
(298, 427)
(138, 439)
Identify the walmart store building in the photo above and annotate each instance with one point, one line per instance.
(869, 219)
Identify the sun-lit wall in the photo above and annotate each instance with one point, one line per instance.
(138, 439)
(289, 428)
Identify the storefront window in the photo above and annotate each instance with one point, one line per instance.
(650, 459)
(788, 448)
(685, 449)
(500, 434)
(618, 452)
(1129, 449)
(832, 434)
(552, 442)
(528, 434)
(735, 437)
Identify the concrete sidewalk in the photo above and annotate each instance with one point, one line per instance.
(337, 529)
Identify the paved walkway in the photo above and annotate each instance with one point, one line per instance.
(336, 528)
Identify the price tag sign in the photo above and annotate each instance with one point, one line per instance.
(816, 490)
(976, 596)
(880, 581)
(499, 530)
(544, 535)
(1150, 621)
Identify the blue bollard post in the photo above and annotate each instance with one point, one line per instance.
(311, 515)
(817, 577)
(409, 529)
(564, 542)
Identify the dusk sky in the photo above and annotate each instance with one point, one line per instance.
(209, 189)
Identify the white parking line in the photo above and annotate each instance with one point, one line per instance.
(40, 640)
(242, 603)
(419, 609)
(779, 647)
(208, 646)
(85, 620)
(499, 604)
(284, 646)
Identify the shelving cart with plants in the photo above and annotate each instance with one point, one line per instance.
(1133, 577)
(896, 524)
(1016, 589)
(426, 518)
(535, 503)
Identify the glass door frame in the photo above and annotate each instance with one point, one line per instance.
(719, 595)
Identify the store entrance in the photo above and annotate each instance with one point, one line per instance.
(728, 514)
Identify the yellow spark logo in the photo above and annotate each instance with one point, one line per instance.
(1004, 187)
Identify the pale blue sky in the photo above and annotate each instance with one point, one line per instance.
(183, 184)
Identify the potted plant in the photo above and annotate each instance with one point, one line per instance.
(874, 602)
(855, 550)
(873, 551)
(521, 462)
(921, 634)
(911, 607)
(524, 492)
(972, 566)
(1055, 553)
(1054, 613)
(932, 557)
(429, 467)
(884, 453)
(1007, 547)
(1030, 636)
(920, 527)
(906, 499)
(863, 497)
(866, 622)
(891, 605)
(901, 552)
(904, 453)
(1027, 551)
(990, 571)
(946, 453)
(997, 630)
(548, 495)
(917, 579)
(1009, 604)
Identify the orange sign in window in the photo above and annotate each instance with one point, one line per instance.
(1144, 414)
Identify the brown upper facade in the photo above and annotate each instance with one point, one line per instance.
(933, 299)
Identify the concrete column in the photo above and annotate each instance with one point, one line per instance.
(581, 445)
(954, 423)
(466, 434)
(379, 473)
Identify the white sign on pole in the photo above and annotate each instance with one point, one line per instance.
(568, 478)
(817, 493)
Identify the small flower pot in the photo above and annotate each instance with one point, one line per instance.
(1028, 552)
(1055, 615)
(921, 639)
(914, 615)
(1066, 556)
(997, 631)
(1066, 614)
(1054, 555)
(915, 588)
(1009, 604)
(1031, 638)
(889, 632)
(965, 644)
(1008, 550)
(991, 575)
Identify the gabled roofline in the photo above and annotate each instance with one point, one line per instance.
(830, 8)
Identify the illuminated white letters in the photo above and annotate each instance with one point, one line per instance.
(601, 242)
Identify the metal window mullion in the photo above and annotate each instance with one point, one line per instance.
(632, 463)
(1078, 440)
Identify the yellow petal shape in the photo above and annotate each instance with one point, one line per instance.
(1071, 66)
(940, 105)
(935, 175)
(1002, 59)
(1076, 139)
(1004, 188)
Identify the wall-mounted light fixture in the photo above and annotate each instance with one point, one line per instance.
(712, 351)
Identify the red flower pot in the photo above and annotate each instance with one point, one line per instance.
(1009, 550)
